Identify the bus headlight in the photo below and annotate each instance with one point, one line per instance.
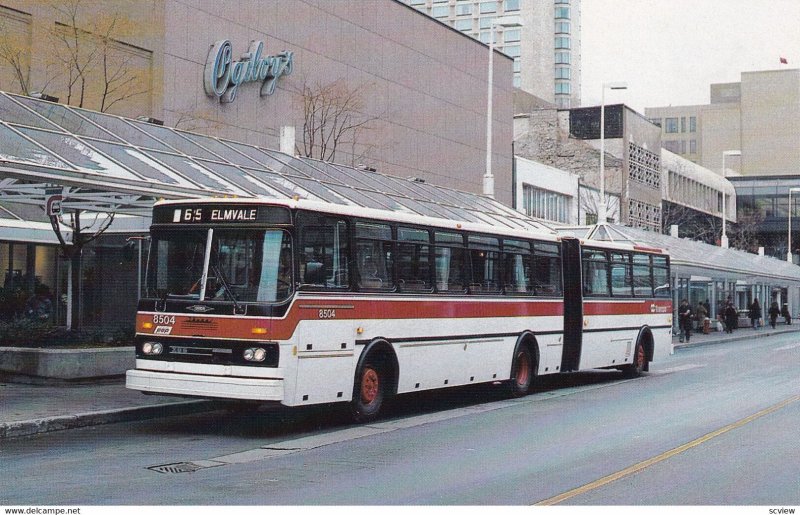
(255, 354)
(152, 348)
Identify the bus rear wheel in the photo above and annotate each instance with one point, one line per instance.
(522, 372)
(636, 368)
(368, 392)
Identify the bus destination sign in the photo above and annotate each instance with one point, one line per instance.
(221, 214)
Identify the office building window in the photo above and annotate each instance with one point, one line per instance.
(511, 5)
(693, 146)
(562, 27)
(562, 13)
(440, 11)
(488, 7)
(517, 80)
(563, 73)
(692, 124)
(562, 57)
(671, 125)
(672, 146)
(511, 51)
(463, 9)
(562, 88)
(545, 204)
(562, 43)
(485, 37)
(464, 24)
(511, 35)
(563, 102)
(516, 65)
(683, 124)
(486, 22)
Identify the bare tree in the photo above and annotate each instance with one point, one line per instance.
(95, 63)
(81, 236)
(692, 224)
(744, 233)
(333, 114)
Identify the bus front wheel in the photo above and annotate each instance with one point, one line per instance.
(368, 392)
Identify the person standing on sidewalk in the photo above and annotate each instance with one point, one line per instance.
(685, 321)
(755, 313)
(731, 317)
(774, 311)
(702, 314)
(785, 314)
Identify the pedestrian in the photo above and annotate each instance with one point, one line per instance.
(685, 320)
(785, 314)
(774, 311)
(755, 313)
(731, 317)
(702, 314)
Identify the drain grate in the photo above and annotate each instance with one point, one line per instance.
(176, 468)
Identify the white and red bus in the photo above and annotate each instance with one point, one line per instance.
(303, 302)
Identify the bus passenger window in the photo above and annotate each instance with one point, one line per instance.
(324, 254)
(546, 269)
(642, 282)
(595, 273)
(517, 266)
(661, 277)
(484, 256)
(374, 255)
(621, 281)
(413, 265)
(450, 262)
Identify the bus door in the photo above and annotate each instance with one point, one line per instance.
(573, 304)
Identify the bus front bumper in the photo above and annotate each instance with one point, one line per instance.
(197, 385)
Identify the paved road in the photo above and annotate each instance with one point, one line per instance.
(719, 425)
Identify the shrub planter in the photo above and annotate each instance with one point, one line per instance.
(66, 364)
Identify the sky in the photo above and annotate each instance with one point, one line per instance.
(670, 51)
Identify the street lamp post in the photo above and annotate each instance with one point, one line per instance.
(488, 177)
(601, 209)
(789, 247)
(724, 239)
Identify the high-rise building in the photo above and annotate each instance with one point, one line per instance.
(546, 48)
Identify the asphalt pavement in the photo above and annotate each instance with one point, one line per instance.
(28, 409)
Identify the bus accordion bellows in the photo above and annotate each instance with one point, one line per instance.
(302, 302)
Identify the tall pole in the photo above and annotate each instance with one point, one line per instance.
(488, 178)
(789, 247)
(601, 208)
(723, 241)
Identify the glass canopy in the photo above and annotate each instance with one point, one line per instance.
(127, 164)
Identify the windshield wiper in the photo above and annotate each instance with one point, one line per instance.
(225, 286)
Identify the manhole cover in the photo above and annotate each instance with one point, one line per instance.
(175, 468)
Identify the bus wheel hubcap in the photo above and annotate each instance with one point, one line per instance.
(523, 369)
(369, 386)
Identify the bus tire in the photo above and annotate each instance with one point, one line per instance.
(639, 363)
(369, 390)
(523, 370)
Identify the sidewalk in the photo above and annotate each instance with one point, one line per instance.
(27, 409)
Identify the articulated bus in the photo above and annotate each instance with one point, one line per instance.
(302, 302)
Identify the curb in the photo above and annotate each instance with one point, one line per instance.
(750, 336)
(46, 425)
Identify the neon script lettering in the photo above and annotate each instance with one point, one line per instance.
(223, 74)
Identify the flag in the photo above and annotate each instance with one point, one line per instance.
(784, 60)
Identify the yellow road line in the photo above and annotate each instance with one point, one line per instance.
(633, 469)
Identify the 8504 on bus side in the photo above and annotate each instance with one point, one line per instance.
(302, 303)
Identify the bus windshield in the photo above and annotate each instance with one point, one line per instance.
(240, 265)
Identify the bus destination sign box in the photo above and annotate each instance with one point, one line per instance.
(221, 214)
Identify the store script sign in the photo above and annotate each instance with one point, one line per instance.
(223, 74)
